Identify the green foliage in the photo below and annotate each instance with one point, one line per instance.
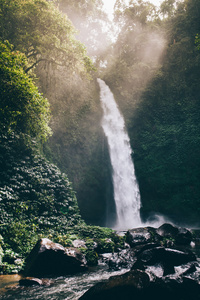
(167, 8)
(133, 12)
(65, 240)
(6, 268)
(91, 257)
(94, 232)
(38, 29)
(105, 246)
(35, 197)
(20, 236)
(11, 263)
(197, 41)
(78, 146)
(160, 101)
(10, 257)
(22, 107)
(135, 55)
(165, 127)
(91, 21)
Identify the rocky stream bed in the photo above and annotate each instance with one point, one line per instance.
(155, 263)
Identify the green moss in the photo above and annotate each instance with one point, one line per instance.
(91, 257)
(95, 232)
(36, 199)
(105, 246)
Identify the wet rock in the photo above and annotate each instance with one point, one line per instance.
(184, 237)
(141, 248)
(49, 259)
(167, 230)
(196, 236)
(190, 269)
(119, 287)
(138, 236)
(105, 246)
(179, 235)
(123, 259)
(172, 274)
(191, 287)
(30, 281)
(168, 258)
(179, 257)
(173, 288)
(138, 284)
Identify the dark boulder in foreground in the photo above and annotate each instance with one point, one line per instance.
(51, 259)
(119, 287)
(138, 285)
(143, 285)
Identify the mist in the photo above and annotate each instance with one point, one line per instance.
(127, 53)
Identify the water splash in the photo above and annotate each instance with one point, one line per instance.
(126, 190)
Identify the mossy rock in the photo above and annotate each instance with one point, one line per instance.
(105, 246)
(91, 257)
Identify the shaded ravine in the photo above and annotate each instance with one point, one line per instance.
(126, 190)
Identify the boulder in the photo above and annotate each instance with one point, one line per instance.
(139, 236)
(121, 260)
(174, 288)
(166, 257)
(52, 259)
(119, 287)
(30, 281)
(141, 248)
(167, 230)
(137, 284)
(105, 246)
(184, 236)
(179, 235)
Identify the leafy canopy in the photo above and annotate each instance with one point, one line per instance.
(38, 29)
(22, 107)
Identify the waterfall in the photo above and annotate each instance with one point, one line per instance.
(126, 190)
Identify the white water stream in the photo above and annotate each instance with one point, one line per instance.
(126, 190)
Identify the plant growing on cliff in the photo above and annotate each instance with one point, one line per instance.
(22, 108)
(35, 197)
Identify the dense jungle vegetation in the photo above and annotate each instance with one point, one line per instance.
(51, 53)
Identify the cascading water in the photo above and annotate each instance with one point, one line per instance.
(126, 190)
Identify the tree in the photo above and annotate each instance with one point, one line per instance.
(22, 108)
(91, 22)
(136, 54)
(165, 128)
(38, 29)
